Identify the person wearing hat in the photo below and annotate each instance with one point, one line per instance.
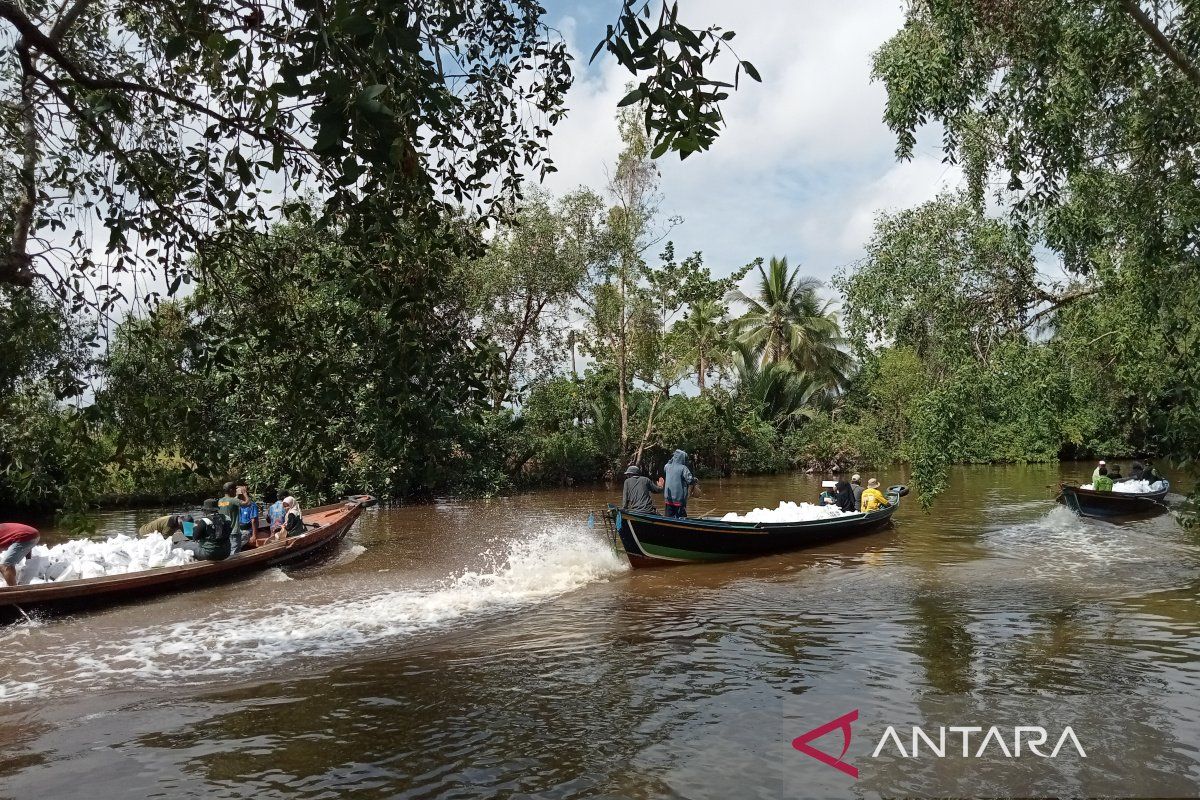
(857, 488)
(635, 496)
(872, 498)
(1096, 471)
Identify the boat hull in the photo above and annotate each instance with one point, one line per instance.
(652, 540)
(1106, 505)
(334, 523)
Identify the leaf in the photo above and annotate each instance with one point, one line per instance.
(175, 47)
(631, 98)
(660, 148)
(751, 71)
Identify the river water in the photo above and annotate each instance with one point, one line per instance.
(501, 649)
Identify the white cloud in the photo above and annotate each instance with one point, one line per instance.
(805, 162)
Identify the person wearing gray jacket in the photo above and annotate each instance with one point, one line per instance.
(678, 480)
(635, 496)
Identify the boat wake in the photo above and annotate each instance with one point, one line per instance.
(526, 571)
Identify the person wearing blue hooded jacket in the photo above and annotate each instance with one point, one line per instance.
(679, 479)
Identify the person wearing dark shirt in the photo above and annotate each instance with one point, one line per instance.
(635, 495)
(843, 493)
(211, 532)
(1115, 473)
(1150, 474)
(1135, 474)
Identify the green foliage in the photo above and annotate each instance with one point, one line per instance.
(1085, 111)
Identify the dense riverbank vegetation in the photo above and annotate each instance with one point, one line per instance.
(376, 336)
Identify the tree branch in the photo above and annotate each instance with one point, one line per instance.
(48, 45)
(1161, 41)
(1057, 303)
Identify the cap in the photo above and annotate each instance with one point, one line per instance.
(856, 477)
(1102, 461)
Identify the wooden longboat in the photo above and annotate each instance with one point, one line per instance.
(652, 540)
(1090, 503)
(325, 527)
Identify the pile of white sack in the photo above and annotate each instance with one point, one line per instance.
(787, 512)
(84, 558)
(1133, 487)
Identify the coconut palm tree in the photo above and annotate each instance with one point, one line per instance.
(779, 393)
(785, 321)
(702, 337)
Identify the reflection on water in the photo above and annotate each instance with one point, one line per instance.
(499, 648)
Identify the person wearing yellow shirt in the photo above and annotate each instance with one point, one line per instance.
(872, 498)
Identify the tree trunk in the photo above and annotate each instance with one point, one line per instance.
(637, 457)
(17, 269)
(700, 370)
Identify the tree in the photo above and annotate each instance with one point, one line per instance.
(522, 288)
(612, 297)
(166, 121)
(787, 322)
(701, 339)
(1085, 111)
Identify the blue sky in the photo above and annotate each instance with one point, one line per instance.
(805, 163)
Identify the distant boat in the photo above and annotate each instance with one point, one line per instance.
(652, 540)
(327, 525)
(1090, 503)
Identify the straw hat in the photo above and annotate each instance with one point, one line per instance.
(873, 484)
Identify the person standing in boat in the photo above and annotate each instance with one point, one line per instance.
(1096, 471)
(677, 481)
(635, 495)
(16, 543)
(247, 517)
(1102, 483)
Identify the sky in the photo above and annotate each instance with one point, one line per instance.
(805, 163)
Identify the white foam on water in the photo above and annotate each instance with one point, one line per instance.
(1061, 544)
(527, 571)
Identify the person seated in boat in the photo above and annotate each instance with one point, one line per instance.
(872, 498)
(275, 514)
(635, 495)
(293, 519)
(16, 543)
(1096, 471)
(1102, 483)
(1135, 472)
(857, 488)
(677, 483)
(843, 492)
(211, 532)
(169, 526)
(827, 498)
(1115, 473)
(1151, 475)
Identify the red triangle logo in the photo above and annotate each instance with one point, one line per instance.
(801, 743)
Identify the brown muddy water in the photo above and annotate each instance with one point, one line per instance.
(500, 649)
